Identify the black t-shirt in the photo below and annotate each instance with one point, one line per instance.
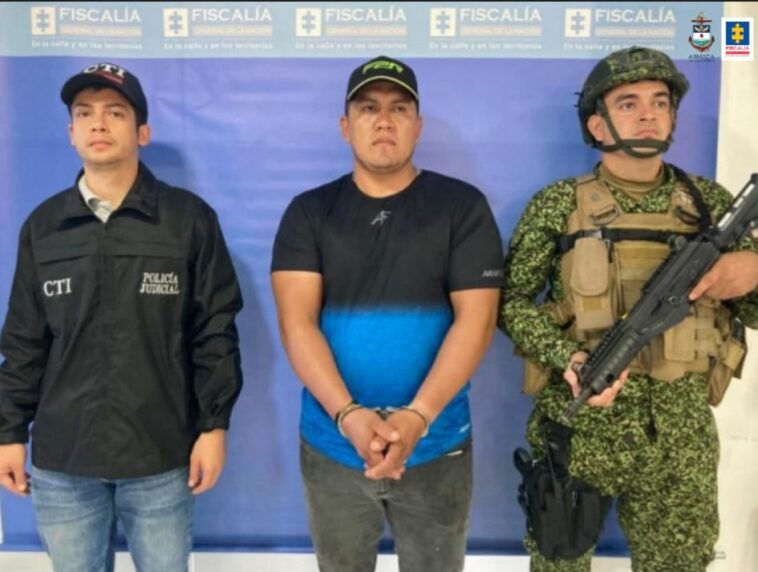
(436, 236)
(389, 265)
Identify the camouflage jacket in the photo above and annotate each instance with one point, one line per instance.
(532, 264)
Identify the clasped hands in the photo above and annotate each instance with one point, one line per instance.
(383, 443)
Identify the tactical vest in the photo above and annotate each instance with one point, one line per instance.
(607, 257)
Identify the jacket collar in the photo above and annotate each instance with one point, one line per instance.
(142, 197)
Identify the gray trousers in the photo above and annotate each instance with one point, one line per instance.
(427, 511)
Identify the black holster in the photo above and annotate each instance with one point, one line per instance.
(564, 515)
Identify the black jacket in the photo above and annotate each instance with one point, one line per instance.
(119, 341)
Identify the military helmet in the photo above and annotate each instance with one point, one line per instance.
(628, 66)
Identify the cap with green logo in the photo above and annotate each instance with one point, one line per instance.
(382, 69)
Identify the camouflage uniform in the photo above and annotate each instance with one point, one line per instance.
(656, 449)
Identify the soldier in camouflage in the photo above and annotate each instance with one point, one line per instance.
(654, 445)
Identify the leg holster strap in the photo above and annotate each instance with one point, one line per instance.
(564, 515)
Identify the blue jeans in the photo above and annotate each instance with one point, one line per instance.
(427, 510)
(76, 518)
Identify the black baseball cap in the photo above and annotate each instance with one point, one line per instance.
(382, 69)
(107, 75)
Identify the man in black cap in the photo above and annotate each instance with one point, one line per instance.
(119, 344)
(386, 282)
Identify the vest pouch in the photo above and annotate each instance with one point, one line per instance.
(727, 366)
(679, 341)
(536, 377)
(635, 263)
(590, 282)
(656, 364)
(689, 345)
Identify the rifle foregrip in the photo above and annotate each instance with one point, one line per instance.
(572, 409)
(596, 375)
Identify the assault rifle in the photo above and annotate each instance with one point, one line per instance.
(664, 301)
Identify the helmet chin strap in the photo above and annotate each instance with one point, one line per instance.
(629, 146)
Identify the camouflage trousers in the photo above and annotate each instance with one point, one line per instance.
(656, 451)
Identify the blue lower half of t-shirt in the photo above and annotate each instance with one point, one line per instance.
(384, 356)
